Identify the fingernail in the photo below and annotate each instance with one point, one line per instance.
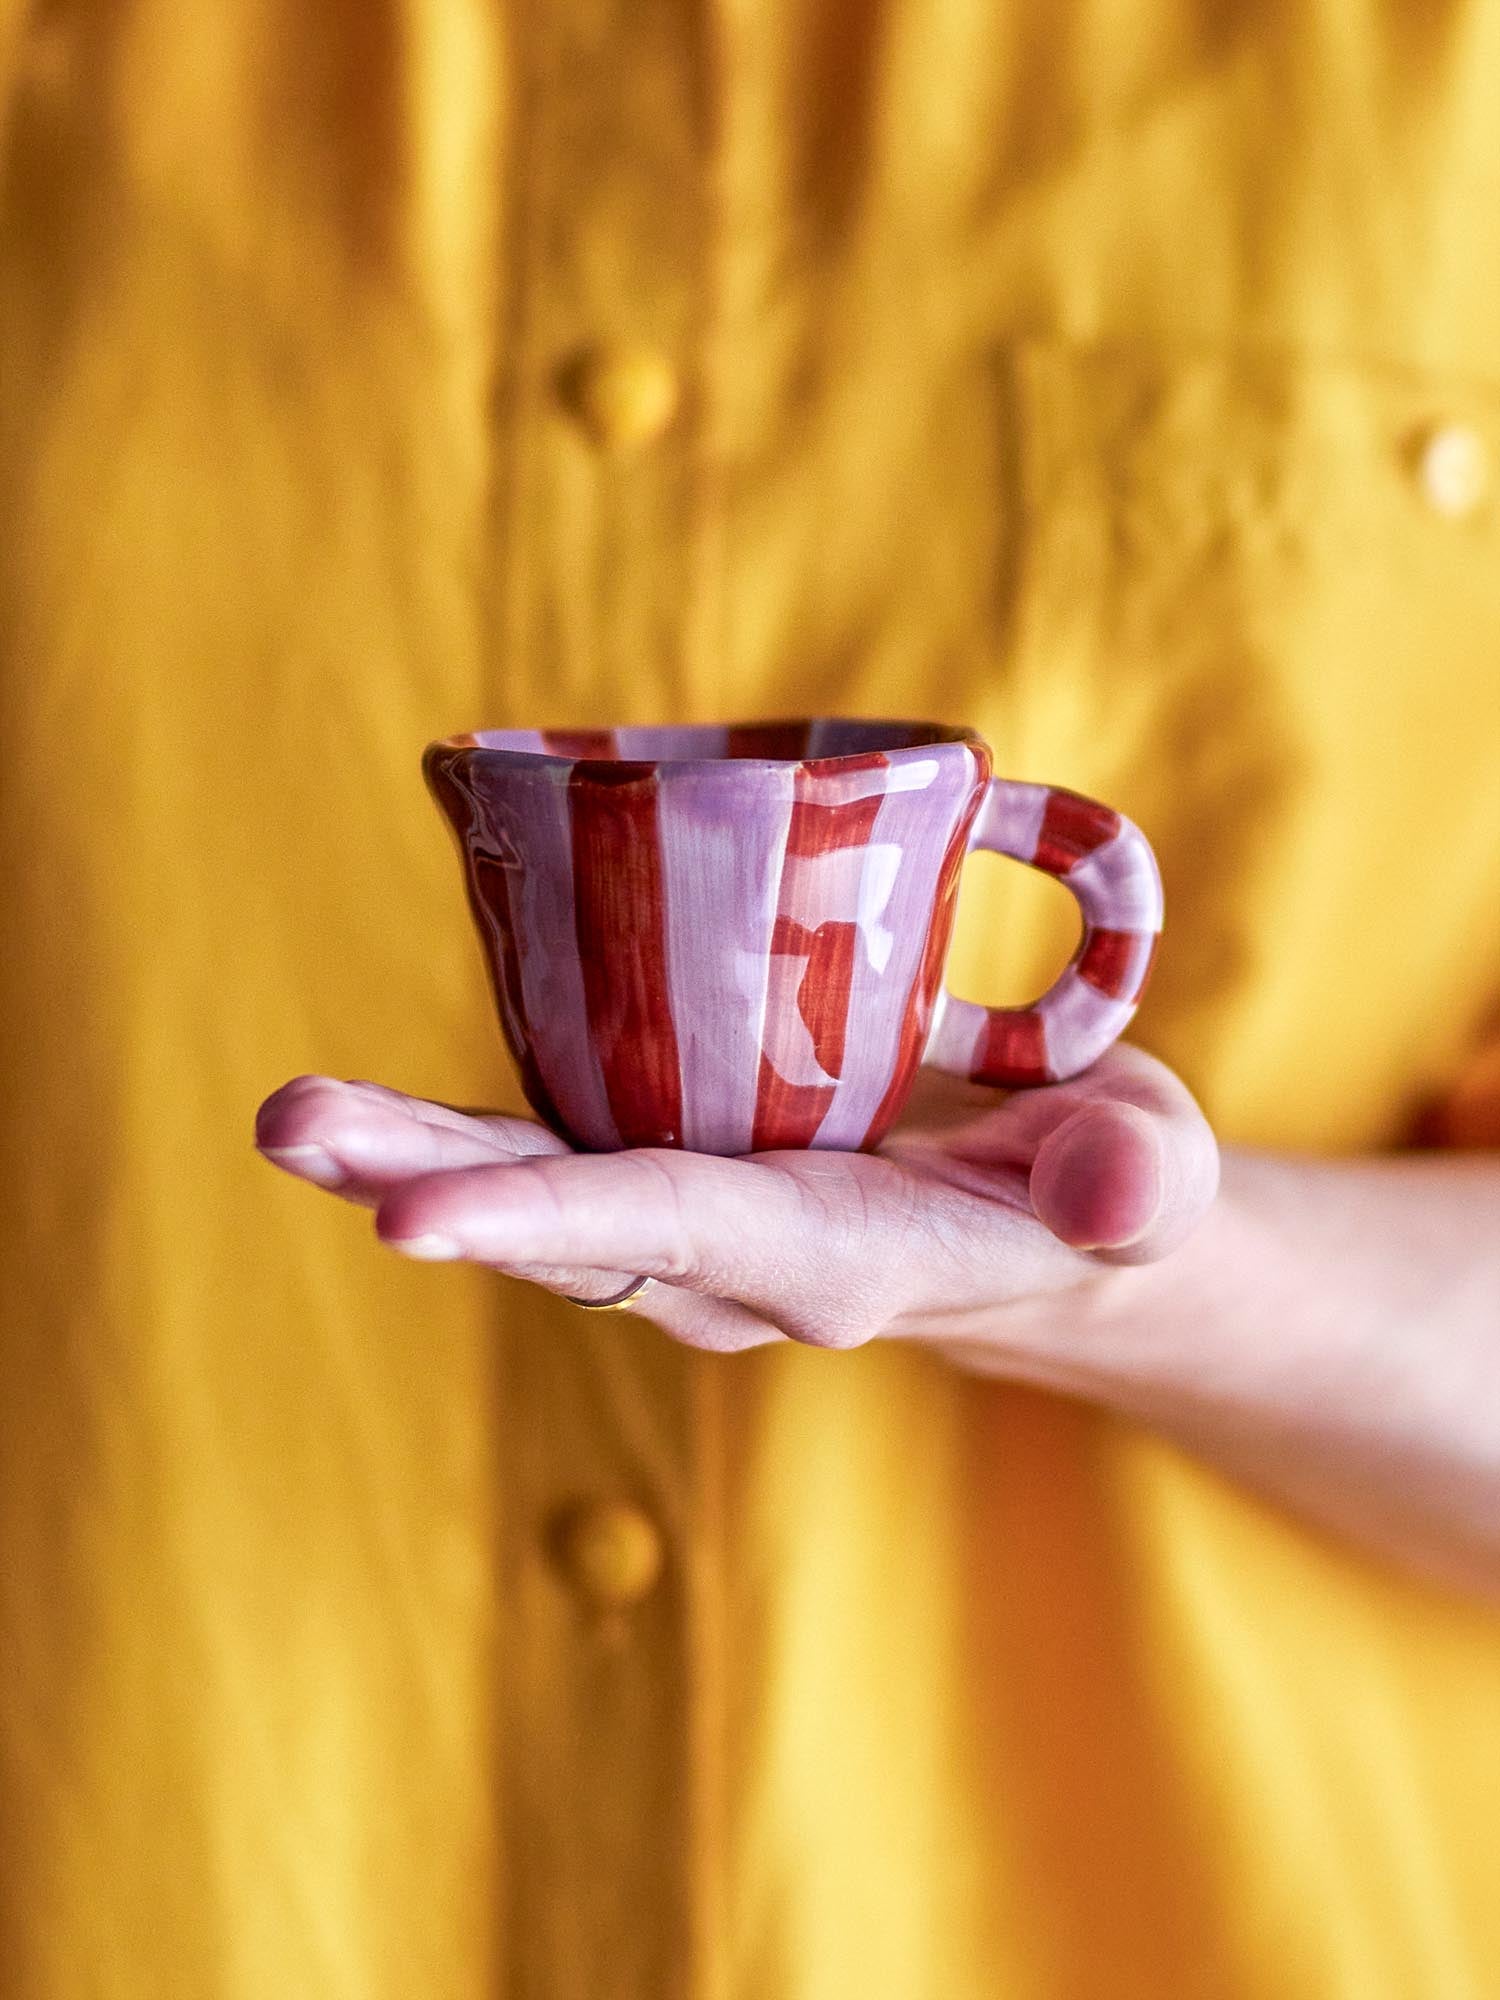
(1125, 1242)
(1120, 1243)
(431, 1249)
(309, 1163)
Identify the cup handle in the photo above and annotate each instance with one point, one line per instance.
(1107, 864)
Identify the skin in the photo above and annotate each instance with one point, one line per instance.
(1328, 1334)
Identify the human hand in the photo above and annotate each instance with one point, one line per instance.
(974, 1217)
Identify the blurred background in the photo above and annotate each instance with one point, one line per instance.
(1118, 380)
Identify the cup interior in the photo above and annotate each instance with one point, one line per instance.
(820, 739)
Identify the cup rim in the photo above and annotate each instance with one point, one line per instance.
(935, 736)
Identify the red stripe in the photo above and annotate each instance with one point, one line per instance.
(820, 826)
(1012, 1049)
(823, 996)
(833, 767)
(579, 742)
(1118, 963)
(1072, 828)
(918, 1020)
(819, 829)
(784, 740)
(620, 915)
(787, 1114)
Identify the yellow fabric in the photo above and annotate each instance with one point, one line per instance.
(1068, 369)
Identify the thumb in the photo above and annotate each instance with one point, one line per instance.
(1124, 1181)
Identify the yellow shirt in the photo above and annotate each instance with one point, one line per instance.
(1124, 380)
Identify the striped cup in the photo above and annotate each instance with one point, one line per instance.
(732, 938)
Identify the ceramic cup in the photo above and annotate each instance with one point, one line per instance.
(732, 938)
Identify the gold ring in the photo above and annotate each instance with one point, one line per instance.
(618, 1303)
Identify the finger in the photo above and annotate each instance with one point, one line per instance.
(359, 1140)
(716, 1326)
(1118, 1161)
(1125, 1163)
(811, 1257)
(1099, 1179)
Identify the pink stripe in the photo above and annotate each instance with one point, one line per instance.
(489, 882)
(1114, 886)
(722, 875)
(672, 743)
(812, 953)
(1010, 820)
(1076, 1018)
(898, 893)
(509, 739)
(925, 1028)
(956, 1035)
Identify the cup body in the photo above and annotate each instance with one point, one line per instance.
(723, 938)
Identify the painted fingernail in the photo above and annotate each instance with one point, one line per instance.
(431, 1249)
(309, 1163)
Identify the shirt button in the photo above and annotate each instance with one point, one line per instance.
(610, 1551)
(1453, 469)
(622, 396)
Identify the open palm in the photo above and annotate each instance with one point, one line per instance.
(976, 1204)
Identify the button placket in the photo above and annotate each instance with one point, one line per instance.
(601, 1446)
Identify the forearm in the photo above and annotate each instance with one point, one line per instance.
(1330, 1337)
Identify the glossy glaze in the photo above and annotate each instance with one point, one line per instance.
(731, 938)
